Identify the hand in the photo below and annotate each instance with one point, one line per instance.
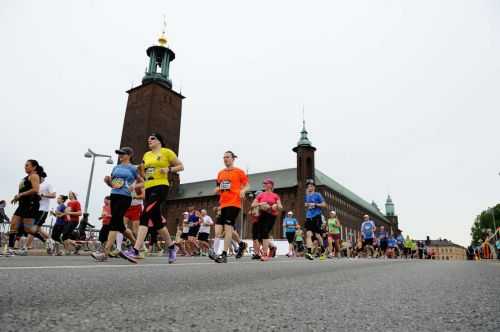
(164, 170)
(15, 199)
(131, 188)
(264, 206)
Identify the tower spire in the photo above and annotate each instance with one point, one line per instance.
(304, 140)
(163, 39)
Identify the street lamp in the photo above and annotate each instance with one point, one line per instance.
(93, 155)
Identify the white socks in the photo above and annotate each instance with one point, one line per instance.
(218, 246)
(119, 241)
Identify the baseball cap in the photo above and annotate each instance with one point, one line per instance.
(125, 150)
(268, 180)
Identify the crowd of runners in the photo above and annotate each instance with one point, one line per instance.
(132, 214)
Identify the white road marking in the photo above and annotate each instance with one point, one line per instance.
(131, 265)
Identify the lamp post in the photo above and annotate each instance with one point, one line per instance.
(93, 155)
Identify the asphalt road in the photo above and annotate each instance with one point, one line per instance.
(77, 294)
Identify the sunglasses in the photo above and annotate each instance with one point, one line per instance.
(152, 138)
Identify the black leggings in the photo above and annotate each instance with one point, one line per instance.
(57, 231)
(263, 227)
(155, 196)
(119, 205)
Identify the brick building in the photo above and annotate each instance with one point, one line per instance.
(155, 106)
(445, 250)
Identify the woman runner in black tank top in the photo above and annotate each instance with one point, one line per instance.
(28, 201)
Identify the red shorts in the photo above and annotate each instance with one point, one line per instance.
(334, 237)
(134, 212)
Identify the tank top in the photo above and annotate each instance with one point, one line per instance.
(24, 186)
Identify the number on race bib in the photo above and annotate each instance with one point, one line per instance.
(225, 185)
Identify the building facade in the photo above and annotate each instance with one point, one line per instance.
(445, 250)
(155, 107)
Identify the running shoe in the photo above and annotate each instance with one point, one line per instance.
(10, 253)
(172, 255)
(221, 259)
(309, 256)
(256, 257)
(211, 254)
(77, 249)
(265, 258)
(115, 253)
(23, 252)
(129, 255)
(241, 250)
(272, 252)
(322, 257)
(99, 256)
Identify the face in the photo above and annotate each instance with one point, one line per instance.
(59, 200)
(228, 159)
(365, 217)
(310, 188)
(203, 212)
(28, 167)
(333, 214)
(153, 142)
(267, 186)
(71, 196)
(124, 158)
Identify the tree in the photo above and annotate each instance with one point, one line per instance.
(485, 221)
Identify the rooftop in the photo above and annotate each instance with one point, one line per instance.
(283, 178)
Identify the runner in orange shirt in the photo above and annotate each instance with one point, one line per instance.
(232, 184)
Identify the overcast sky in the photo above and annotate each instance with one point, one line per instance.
(400, 97)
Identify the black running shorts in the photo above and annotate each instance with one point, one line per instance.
(228, 216)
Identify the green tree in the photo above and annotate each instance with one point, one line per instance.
(485, 221)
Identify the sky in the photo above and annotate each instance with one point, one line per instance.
(400, 97)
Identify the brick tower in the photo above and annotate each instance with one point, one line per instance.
(154, 106)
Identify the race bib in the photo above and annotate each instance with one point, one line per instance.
(225, 185)
(117, 183)
(150, 171)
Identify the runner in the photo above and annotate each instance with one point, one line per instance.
(333, 231)
(313, 202)
(204, 234)
(29, 203)
(74, 212)
(58, 228)
(122, 179)
(184, 248)
(194, 221)
(299, 241)
(290, 225)
(368, 233)
(232, 184)
(156, 165)
(269, 204)
(392, 245)
(106, 220)
(133, 214)
(382, 237)
(400, 241)
(46, 194)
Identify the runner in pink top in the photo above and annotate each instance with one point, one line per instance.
(269, 205)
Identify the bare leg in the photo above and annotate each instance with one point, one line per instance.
(228, 230)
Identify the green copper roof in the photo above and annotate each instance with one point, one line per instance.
(304, 140)
(283, 178)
